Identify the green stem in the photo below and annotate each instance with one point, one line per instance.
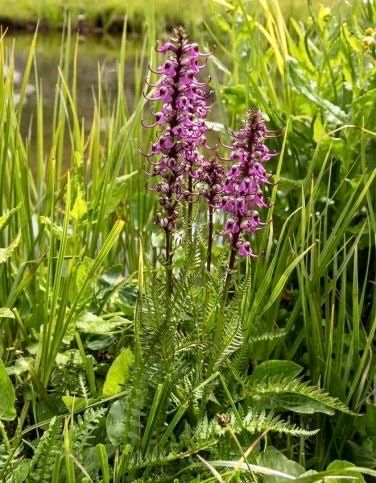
(230, 268)
(168, 262)
(190, 207)
(210, 239)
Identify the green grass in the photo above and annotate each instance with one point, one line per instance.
(104, 377)
(52, 13)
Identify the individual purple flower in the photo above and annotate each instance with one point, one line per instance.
(243, 187)
(181, 119)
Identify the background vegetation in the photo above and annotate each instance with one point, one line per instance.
(109, 14)
(280, 383)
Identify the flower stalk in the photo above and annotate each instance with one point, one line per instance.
(181, 120)
(243, 188)
(211, 176)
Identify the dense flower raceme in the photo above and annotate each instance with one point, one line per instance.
(210, 175)
(182, 122)
(242, 190)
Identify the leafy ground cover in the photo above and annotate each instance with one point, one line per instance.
(122, 360)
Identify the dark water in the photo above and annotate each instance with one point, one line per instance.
(93, 53)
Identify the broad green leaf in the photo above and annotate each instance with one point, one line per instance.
(343, 468)
(97, 343)
(20, 472)
(80, 275)
(5, 253)
(72, 356)
(118, 373)
(275, 368)
(82, 272)
(115, 423)
(102, 456)
(7, 395)
(118, 192)
(274, 459)
(307, 87)
(79, 207)
(318, 129)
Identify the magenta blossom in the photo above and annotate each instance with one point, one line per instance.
(243, 187)
(181, 119)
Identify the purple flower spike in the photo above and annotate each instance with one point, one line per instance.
(242, 189)
(181, 119)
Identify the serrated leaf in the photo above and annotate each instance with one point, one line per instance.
(118, 373)
(298, 404)
(276, 385)
(7, 395)
(5, 253)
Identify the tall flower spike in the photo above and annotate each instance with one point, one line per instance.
(243, 186)
(181, 119)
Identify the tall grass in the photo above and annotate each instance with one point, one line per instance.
(100, 387)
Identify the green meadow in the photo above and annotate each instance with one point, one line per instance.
(138, 341)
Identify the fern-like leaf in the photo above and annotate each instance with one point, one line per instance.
(276, 385)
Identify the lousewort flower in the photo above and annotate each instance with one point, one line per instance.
(210, 176)
(243, 186)
(182, 122)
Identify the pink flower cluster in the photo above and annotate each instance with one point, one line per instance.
(242, 190)
(180, 166)
(181, 119)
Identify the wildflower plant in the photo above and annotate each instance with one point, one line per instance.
(181, 120)
(243, 187)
